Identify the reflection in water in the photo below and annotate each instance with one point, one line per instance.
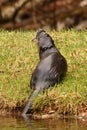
(18, 123)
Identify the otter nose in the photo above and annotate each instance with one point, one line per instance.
(35, 40)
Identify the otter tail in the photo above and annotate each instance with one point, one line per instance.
(29, 102)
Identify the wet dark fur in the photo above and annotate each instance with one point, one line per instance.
(50, 70)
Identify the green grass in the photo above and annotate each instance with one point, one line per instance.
(18, 58)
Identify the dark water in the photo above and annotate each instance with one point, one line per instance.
(18, 123)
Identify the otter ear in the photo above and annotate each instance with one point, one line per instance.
(40, 31)
(43, 32)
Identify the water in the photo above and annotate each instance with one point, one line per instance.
(19, 123)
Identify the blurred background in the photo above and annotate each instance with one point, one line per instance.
(34, 14)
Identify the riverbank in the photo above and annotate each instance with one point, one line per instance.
(18, 58)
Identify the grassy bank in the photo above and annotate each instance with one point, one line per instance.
(18, 58)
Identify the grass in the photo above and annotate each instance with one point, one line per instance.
(18, 58)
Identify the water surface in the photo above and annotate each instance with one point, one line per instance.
(19, 123)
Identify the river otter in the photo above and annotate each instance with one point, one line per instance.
(49, 71)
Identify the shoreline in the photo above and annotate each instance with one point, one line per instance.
(42, 115)
(82, 116)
